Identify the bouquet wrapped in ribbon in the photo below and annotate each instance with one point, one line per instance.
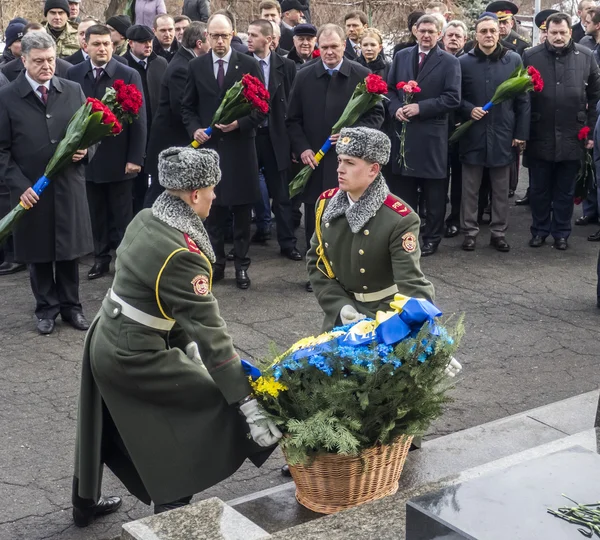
(362, 384)
(244, 96)
(366, 95)
(409, 88)
(586, 176)
(93, 121)
(522, 80)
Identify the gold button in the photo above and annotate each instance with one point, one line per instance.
(326, 244)
(366, 232)
(326, 225)
(365, 287)
(362, 270)
(331, 263)
(361, 252)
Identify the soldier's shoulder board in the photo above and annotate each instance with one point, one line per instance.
(397, 205)
(329, 193)
(191, 245)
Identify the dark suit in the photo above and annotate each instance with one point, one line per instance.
(239, 187)
(286, 40)
(316, 104)
(578, 32)
(13, 69)
(160, 51)
(426, 146)
(109, 189)
(350, 52)
(57, 230)
(167, 127)
(77, 58)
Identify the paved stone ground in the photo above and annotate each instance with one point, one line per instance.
(532, 334)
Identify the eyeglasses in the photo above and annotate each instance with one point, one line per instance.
(217, 37)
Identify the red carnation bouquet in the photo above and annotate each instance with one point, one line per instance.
(240, 100)
(316, 53)
(522, 80)
(586, 176)
(367, 94)
(409, 88)
(93, 121)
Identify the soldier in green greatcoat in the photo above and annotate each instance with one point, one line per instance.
(365, 248)
(161, 381)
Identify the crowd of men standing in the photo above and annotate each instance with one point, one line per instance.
(184, 67)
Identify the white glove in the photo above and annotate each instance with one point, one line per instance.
(349, 315)
(263, 431)
(453, 368)
(193, 353)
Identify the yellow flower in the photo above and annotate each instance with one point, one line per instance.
(270, 386)
(307, 343)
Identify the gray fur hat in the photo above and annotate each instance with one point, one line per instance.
(365, 143)
(187, 168)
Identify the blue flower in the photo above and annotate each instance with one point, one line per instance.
(384, 350)
(321, 363)
(277, 372)
(422, 357)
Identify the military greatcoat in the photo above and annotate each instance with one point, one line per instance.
(364, 248)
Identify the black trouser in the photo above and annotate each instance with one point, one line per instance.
(215, 226)
(455, 182)
(7, 250)
(154, 190)
(277, 184)
(514, 169)
(598, 291)
(111, 211)
(433, 193)
(140, 187)
(165, 507)
(55, 287)
(309, 222)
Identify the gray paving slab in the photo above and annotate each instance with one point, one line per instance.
(532, 335)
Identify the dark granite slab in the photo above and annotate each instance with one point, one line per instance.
(510, 504)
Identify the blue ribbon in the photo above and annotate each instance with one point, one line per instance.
(250, 370)
(487, 106)
(208, 131)
(41, 185)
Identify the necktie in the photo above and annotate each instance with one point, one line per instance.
(99, 72)
(422, 56)
(357, 50)
(331, 71)
(221, 74)
(44, 91)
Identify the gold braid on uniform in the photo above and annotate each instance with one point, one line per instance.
(177, 214)
(320, 251)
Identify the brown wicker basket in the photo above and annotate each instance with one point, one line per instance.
(333, 482)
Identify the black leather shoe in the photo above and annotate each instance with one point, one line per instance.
(285, 471)
(260, 237)
(7, 268)
(77, 321)
(308, 286)
(594, 237)
(500, 244)
(45, 326)
(98, 270)
(585, 220)
(523, 202)
(451, 231)
(469, 243)
(536, 241)
(241, 279)
(560, 243)
(231, 255)
(428, 249)
(292, 253)
(106, 505)
(218, 274)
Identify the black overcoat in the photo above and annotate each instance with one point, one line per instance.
(58, 227)
(14, 68)
(488, 142)
(129, 146)
(426, 147)
(237, 153)
(566, 104)
(78, 58)
(316, 103)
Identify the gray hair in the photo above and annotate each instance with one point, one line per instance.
(430, 19)
(276, 29)
(457, 24)
(330, 28)
(36, 40)
(195, 32)
(486, 19)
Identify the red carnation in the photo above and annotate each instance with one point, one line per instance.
(400, 85)
(316, 53)
(117, 127)
(584, 133)
(118, 84)
(536, 79)
(375, 84)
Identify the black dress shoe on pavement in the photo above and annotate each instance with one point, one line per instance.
(45, 326)
(523, 202)
(308, 287)
(560, 243)
(451, 231)
(285, 471)
(469, 243)
(241, 279)
(500, 244)
(106, 505)
(428, 249)
(585, 220)
(594, 237)
(7, 268)
(536, 241)
(260, 237)
(218, 274)
(98, 270)
(292, 253)
(77, 321)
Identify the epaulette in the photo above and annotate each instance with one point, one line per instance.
(191, 245)
(329, 193)
(397, 206)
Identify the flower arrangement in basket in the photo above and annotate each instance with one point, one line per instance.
(350, 401)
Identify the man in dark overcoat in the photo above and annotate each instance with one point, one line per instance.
(209, 78)
(167, 127)
(34, 113)
(425, 160)
(151, 69)
(319, 96)
(118, 159)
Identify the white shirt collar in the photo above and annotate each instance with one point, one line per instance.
(336, 68)
(426, 52)
(139, 60)
(35, 85)
(286, 25)
(103, 66)
(266, 60)
(225, 59)
(85, 55)
(352, 203)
